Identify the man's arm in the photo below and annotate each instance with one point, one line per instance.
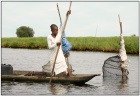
(51, 44)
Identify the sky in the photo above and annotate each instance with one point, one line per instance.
(98, 19)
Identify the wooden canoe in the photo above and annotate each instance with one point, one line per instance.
(21, 76)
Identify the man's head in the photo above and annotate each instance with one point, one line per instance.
(54, 29)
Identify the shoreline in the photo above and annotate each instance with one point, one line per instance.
(76, 51)
(99, 44)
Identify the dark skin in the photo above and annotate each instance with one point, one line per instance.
(55, 30)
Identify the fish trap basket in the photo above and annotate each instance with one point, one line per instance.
(112, 67)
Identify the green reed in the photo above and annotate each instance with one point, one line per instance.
(105, 44)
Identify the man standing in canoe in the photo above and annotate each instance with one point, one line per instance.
(53, 43)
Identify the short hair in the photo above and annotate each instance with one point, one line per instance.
(52, 26)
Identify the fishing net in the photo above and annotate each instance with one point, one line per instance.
(112, 67)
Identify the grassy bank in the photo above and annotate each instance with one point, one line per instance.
(106, 44)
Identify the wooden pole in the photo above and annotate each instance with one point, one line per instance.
(66, 58)
(59, 14)
(120, 24)
(60, 40)
(96, 30)
(66, 20)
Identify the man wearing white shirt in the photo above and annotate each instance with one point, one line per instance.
(53, 43)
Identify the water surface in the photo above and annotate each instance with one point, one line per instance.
(82, 63)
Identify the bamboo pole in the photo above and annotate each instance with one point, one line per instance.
(60, 40)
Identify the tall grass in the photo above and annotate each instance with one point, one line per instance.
(106, 44)
(26, 42)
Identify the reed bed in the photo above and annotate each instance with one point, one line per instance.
(105, 44)
(26, 42)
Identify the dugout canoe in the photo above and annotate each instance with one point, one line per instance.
(37, 76)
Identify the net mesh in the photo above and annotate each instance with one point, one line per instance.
(112, 67)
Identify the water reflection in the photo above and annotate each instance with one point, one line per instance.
(116, 83)
(4, 85)
(58, 89)
(82, 63)
(123, 85)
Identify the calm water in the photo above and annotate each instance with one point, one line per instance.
(82, 62)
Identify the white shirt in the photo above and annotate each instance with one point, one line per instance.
(52, 44)
(60, 65)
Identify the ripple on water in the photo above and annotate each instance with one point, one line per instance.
(82, 62)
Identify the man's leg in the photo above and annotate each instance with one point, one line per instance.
(69, 68)
(67, 61)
